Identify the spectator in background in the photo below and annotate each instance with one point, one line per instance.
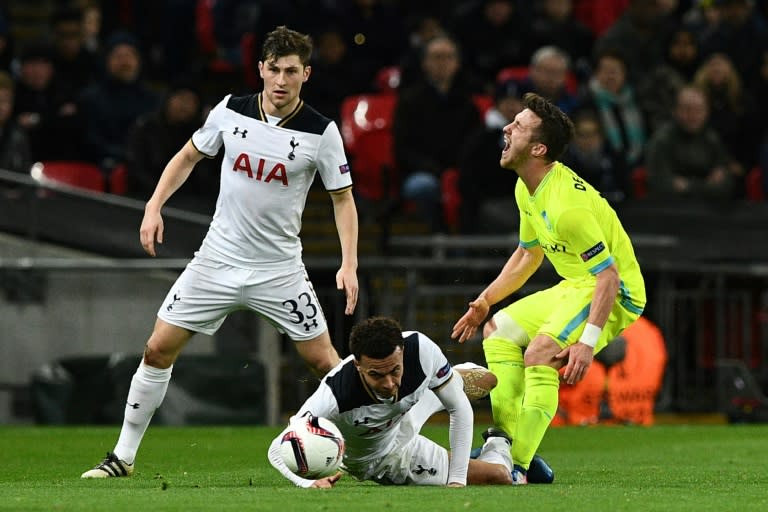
(74, 66)
(760, 89)
(431, 121)
(45, 111)
(657, 90)
(6, 44)
(599, 16)
(764, 168)
(14, 145)
(731, 112)
(332, 80)
(422, 27)
(611, 97)
(686, 157)
(375, 36)
(761, 95)
(547, 77)
(111, 106)
(641, 32)
(589, 153)
(741, 33)
(555, 25)
(487, 190)
(92, 27)
(156, 137)
(493, 36)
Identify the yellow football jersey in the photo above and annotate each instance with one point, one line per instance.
(579, 233)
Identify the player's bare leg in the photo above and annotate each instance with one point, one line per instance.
(319, 353)
(147, 391)
(478, 380)
(494, 465)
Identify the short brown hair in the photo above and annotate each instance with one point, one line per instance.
(556, 128)
(283, 41)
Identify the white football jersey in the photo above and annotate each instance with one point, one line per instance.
(373, 428)
(266, 175)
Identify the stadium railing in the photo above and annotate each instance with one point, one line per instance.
(706, 284)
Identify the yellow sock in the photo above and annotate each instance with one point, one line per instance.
(539, 407)
(505, 360)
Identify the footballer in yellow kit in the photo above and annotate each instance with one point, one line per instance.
(580, 235)
(564, 219)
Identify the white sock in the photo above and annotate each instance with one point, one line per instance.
(496, 451)
(148, 388)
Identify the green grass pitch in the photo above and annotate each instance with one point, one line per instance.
(698, 468)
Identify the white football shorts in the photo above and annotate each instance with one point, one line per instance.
(421, 461)
(207, 291)
(415, 459)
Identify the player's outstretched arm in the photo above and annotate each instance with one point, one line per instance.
(517, 270)
(467, 325)
(273, 454)
(456, 403)
(174, 175)
(327, 482)
(345, 214)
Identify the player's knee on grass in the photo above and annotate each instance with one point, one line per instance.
(485, 473)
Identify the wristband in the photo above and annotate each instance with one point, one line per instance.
(590, 335)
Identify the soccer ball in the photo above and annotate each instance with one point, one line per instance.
(312, 447)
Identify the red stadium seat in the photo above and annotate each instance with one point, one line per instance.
(366, 127)
(520, 73)
(451, 197)
(483, 102)
(754, 185)
(365, 113)
(639, 180)
(204, 26)
(388, 79)
(373, 166)
(118, 180)
(74, 173)
(206, 37)
(517, 73)
(248, 51)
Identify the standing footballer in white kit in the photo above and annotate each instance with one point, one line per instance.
(251, 256)
(379, 398)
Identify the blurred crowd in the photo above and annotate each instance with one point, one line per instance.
(669, 97)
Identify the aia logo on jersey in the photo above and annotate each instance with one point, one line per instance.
(263, 171)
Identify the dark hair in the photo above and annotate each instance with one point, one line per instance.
(376, 338)
(556, 128)
(443, 36)
(66, 14)
(283, 41)
(612, 53)
(36, 49)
